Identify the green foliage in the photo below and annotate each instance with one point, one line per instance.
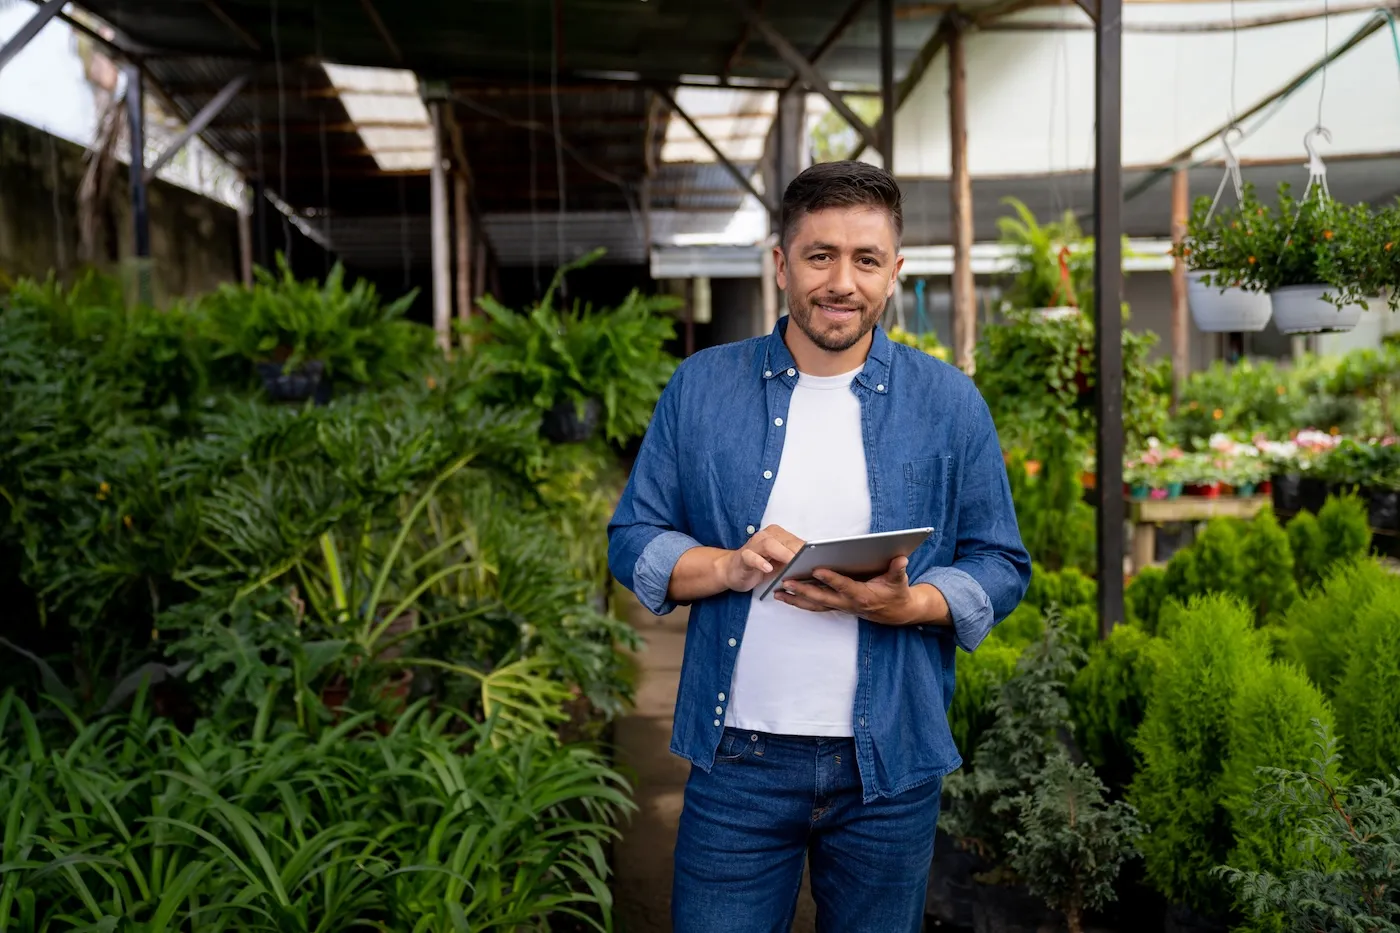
(1368, 713)
(126, 823)
(1319, 631)
(1270, 727)
(1144, 596)
(1223, 242)
(1054, 270)
(1249, 397)
(980, 677)
(1108, 698)
(1071, 843)
(1309, 549)
(551, 356)
(1346, 532)
(287, 320)
(1029, 711)
(1184, 743)
(1056, 524)
(1038, 377)
(1345, 839)
(1266, 559)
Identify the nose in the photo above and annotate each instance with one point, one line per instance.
(841, 281)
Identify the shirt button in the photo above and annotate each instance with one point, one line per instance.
(719, 710)
(721, 698)
(880, 388)
(778, 422)
(792, 372)
(716, 722)
(750, 529)
(767, 474)
(732, 643)
(768, 374)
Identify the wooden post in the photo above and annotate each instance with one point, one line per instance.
(464, 246)
(770, 286)
(964, 289)
(1181, 323)
(479, 288)
(245, 237)
(442, 262)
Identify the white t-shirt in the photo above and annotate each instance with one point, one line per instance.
(796, 670)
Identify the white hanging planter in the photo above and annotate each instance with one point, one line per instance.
(1062, 313)
(1299, 309)
(1234, 309)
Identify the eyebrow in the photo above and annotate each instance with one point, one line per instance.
(859, 250)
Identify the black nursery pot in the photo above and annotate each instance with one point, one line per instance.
(1287, 492)
(563, 425)
(296, 385)
(1312, 494)
(1383, 509)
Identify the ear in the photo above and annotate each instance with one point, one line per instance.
(894, 279)
(780, 266)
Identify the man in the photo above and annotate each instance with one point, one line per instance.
(816, 723)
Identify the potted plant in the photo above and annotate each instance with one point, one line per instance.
(586, 370)
(1215, 248)
(1051, 274)
(1316, 260)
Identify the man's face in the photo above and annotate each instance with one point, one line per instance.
(838, 271)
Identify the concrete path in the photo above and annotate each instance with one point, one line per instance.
(643, 857)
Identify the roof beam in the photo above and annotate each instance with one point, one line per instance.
(199, 123)
(1253, 22)
(729, 166)
(29, 30)
(830, 39)
(809, 75)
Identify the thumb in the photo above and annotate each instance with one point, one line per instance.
(898, 566)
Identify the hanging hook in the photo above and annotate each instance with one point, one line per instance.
(1317, 170)
(1232, 161)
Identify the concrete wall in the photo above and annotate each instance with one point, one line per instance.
(194, 241)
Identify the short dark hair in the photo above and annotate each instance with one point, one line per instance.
(841, 184)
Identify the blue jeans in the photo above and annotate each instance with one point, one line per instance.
(772, 801)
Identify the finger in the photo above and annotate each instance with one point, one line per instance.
(898, 570)
(817, 595)
(800, 603)
(755, 561)
(843, 585)
(776, 551)
(784, 537)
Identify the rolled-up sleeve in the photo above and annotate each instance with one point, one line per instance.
(991, 568)
(649, 532)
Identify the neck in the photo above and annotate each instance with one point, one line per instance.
(819, 361)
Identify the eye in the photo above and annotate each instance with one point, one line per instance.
(820, 257)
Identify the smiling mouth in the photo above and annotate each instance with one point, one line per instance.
(839, 311)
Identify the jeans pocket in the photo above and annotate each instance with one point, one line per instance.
(734, 746)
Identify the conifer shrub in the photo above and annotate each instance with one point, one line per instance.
(1271, 726)
(1266, 561)
(1309, 551)
(1318, 631)
(1144, 596)
(1184, 743)
(1368, 695)
(1108, 699)
(1346, 531)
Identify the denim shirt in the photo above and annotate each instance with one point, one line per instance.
(703, 477)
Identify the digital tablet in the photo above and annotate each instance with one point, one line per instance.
(862, 557)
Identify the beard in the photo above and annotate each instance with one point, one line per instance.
(830, 336)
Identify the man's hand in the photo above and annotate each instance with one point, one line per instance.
(766, 552)
(887, 599)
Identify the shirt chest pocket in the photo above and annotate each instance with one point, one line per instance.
(926, 490)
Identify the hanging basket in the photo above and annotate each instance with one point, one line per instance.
(1299, 309)
(1228, 311)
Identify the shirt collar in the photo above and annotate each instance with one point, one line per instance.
(777, 359)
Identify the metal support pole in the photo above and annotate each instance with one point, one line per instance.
(442, 262)
(245, 237)
(140, 210)
(1108, 299)
(887, 86)
(29, 30)
(964, 288)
